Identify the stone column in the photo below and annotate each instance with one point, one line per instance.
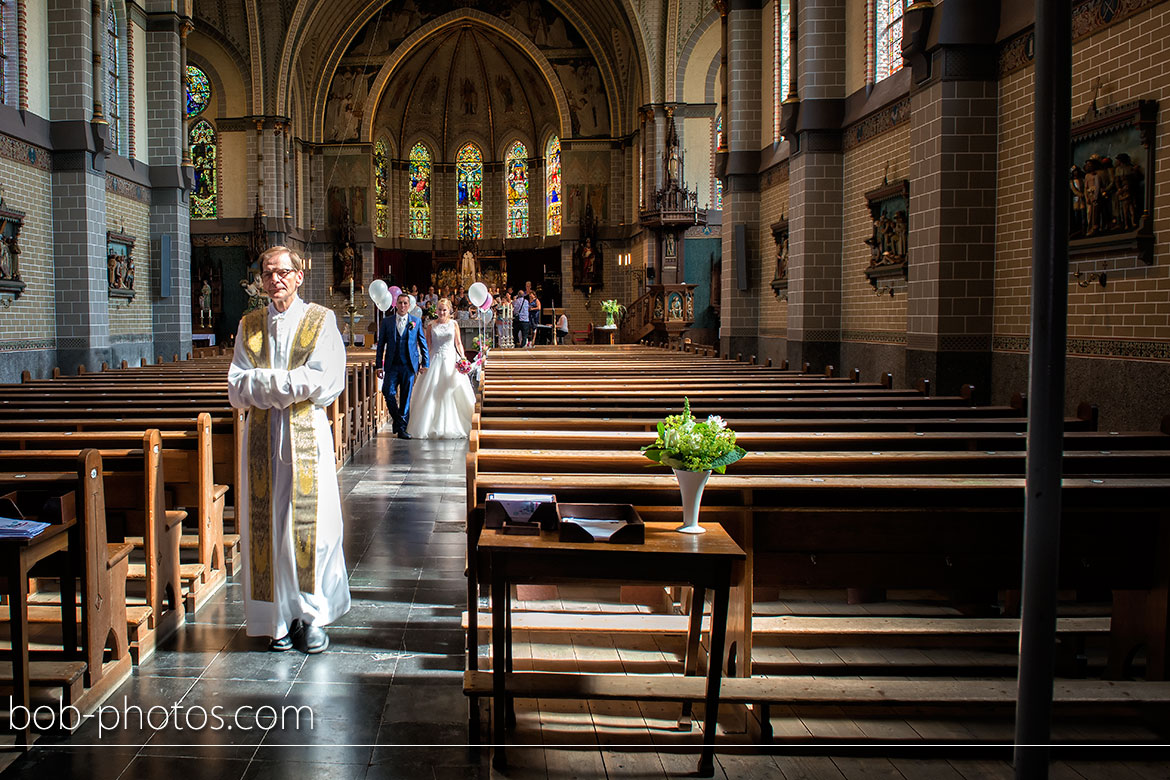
(953, 138)
(816, 190)
(78, 183)
(171, 181)
(739, 304)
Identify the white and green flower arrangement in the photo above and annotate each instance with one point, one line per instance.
(694, 445)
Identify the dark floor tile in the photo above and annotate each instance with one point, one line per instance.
(353, 667)
(340, 701)
(255, 663)
(201, 733)
(440, 641)
(197, 637)
(71, 763)
(187, 768)
(300, 770)
(423, 669)
(412, 703)
(232, 696)
(327, 743)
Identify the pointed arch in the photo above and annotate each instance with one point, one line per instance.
(204, 158)
(552, 186)
(419, 205)
(198, 90)
(516, 189)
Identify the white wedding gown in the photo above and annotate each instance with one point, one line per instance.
(442, 401)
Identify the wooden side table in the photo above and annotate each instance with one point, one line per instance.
(605, 334)
(666, 557)
(17, 557)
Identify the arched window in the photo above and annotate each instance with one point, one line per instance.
(552, 184)
(717, 185)
(198, 91)
(9, 54)
(113, 80)
(782, 29)
(381, 190)
(517, 167)
(203, 157)
(420, 192)
(469, 191)
(888, 37)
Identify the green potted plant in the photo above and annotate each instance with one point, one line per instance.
(693, 448)
(612, 309)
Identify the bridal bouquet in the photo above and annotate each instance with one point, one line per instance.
(694, 445)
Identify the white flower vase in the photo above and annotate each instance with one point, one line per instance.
(691, 484)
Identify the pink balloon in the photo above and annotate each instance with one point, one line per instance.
(395, 291)
(487, 304)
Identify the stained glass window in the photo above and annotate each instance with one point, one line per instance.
(203, 158)
(717, 187)
(381, 190)
(552, 184)
(781, 62)
(517, 167)
(420, 192)
(6, 46)
(198, 90)
(469, 192)
(113, 84)
(888, 28)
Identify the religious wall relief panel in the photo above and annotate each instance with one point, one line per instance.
(11, 221)
(120, 264)
(1111, 181)
(888, 242)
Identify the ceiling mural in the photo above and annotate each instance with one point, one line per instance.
(467, 78)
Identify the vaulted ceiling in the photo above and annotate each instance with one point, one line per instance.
(305, 45)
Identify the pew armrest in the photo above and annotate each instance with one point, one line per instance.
(116, 552)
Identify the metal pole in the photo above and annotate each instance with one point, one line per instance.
(1050, 222)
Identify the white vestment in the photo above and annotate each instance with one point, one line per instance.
(320, 380)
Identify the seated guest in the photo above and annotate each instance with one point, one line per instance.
(562, 328)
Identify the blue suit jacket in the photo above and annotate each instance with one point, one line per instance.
(416, 342)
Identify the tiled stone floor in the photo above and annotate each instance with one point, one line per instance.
(387, 697)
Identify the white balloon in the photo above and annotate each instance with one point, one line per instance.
(413, 301)
(384, 302)
(378, 290)
(477, 294)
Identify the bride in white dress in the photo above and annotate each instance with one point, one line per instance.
(442, 401)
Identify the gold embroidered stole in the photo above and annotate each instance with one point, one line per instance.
(304, 461)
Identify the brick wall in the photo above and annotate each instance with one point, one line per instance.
(1130, 60)
(29, 321)
(132, 217)
(773, 311)
(863, 312)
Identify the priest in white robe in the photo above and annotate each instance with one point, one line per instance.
(288, 366)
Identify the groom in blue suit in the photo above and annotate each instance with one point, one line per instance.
(405, 345)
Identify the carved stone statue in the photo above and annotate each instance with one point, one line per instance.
(467, 270)
(1076, 185)
(205, 304)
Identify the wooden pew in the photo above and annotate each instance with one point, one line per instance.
(99, 565)
(196, 461)
(135, 513)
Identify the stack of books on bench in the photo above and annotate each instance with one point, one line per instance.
(11, 528)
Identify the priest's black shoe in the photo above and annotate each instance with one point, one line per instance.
(314, 640)
(285, 642)
(404, 435)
